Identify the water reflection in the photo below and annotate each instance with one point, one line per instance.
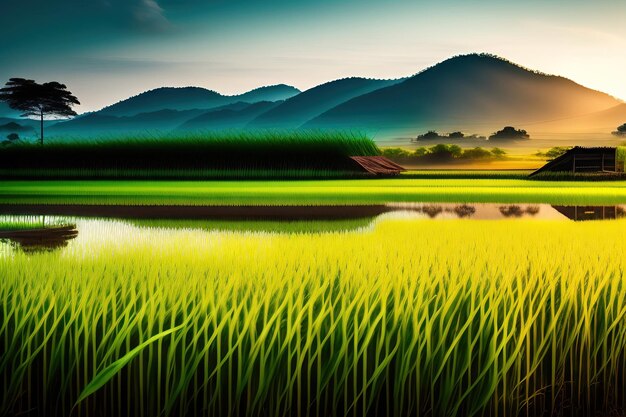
(41, 239)
(519, 211)
(464, 210)
(48, 228)
(582, 213)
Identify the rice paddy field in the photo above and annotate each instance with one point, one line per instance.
(315, 192)
(433, 293)
(400, 315)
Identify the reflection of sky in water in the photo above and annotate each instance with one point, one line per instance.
(113, 235)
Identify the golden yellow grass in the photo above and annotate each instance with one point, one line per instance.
(407, 317)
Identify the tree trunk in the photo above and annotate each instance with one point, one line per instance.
(41, 113)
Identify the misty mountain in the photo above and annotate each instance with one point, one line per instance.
(191, 98)
(277, 92)
(104, 124)
(14, 127)
(602, 121)
(228, 118)
(299, 109)
(467, 92)
(142, 123)
(473, 93)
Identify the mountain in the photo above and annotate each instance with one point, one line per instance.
(277, 92)
(105, 124)
(604, 121)
(299, 109)
(190, 98)
(474, 92)
(233, 115)
(14, 127)
(228, 118)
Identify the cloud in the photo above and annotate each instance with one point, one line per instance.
(144, 15)
(148, 15)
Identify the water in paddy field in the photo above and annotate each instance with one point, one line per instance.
(51, 228)
(357, 286)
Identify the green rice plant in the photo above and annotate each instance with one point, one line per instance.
(408, 317)
(229, 154)
(273, 226)
(312, 192)
(517, 174)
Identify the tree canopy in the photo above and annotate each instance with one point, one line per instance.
(40, 100)
(509, 132)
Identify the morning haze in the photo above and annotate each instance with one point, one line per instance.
(106, 51)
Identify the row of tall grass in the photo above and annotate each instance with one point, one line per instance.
(207, 155)
(249, 171)
(414, 317)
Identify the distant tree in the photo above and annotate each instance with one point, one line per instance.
(395, 153)
(498, 153)
(431, 134)
(421, 151)
(621, 130)
(554, 152)
(11, 138)
(476, 153)
(509, 132)
(456, 135)
(442, 151)
(47, 99)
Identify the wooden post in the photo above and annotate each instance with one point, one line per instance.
(574, 164)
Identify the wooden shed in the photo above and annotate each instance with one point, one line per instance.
(378, 165)
(590, 160)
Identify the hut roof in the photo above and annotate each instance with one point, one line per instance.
(577, 150)
(378, 165)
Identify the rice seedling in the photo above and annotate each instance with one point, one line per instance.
(407, 317)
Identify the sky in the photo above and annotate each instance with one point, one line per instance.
(108, 50)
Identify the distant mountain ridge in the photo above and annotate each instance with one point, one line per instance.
(189, 98)
(297, 110)
(465, 91)
(228, 118)
(476, 93)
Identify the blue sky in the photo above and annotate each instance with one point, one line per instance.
(106, 50)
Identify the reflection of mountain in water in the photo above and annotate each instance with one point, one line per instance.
(41, 240)
(581, 213)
